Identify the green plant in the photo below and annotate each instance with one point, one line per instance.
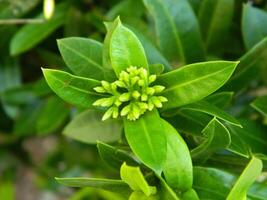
(154, 141)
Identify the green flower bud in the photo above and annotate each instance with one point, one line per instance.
(150, 91)
(125, 110)
(136, 94)
(120, 84)
(144, 97)
(152, 78)
(124, 97)
(106, 85)
(107, 114)
(100, 89)
(158, 88)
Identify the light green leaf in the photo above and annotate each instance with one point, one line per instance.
(126, 50)
(217, 137)
(114, 156)
(32, 34)
(245, 180)
(190, 195)
(215, 18)
(206, 107)
(156, 69)
(52, 115)
(137, 195)
(87, 127)
(105, 184)
(178, 170)
(260, 104)
(183, 38)
(136, 180)
(83, 56)
(7, 190)
(166, 191)
(147, 140)
(254, 27)
(250, 67)
(73, 89)
(194, 82)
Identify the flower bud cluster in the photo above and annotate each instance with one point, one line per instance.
(130, 95)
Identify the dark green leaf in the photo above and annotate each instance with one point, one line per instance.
(183, 38)
(220, 99)
(215, 18)
(217, 137)
(32, 34)
(52, 115)
(105, 184)
(260, 104)
(253, 25)
(114, 156)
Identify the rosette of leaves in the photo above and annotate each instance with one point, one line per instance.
(101, 72)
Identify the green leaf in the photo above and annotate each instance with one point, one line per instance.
(126, 50)
(217, 137)
(7, 190)
(156, 69)
(245, 180)
(220, 99)
(136, 180)
(137, 195)
(260, 104)
(206, 107)
(105, 184)
(52, 115)
(249, 67)
(73, 89)
(152, 53)
(114, 156)
(253, 25)
(147, 140)
(169, 42)
(183, 38)
(252, 134)
(83, 56)
(178, 170)
(32, 34)
(194, 82)
(215, 18)
(215, 183)
(166, 191)
(87, 127)
(190, 195)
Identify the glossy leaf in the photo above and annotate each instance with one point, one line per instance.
(147, 140)
(217, 137)
(136, 195)
(114, 156)
(87, 127)
(32, 34)
(136, 180)
(166, 191)
(245, 180)
(105, 184)
(73, 89)
(183, 38)
(52, 115)
(260, 104)
(205, 78)
(215, 18)
(178, 169)
(83, 56)
(190, 195)
(126, 50)
(253, 25)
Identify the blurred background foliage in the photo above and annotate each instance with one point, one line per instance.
(32, 149)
